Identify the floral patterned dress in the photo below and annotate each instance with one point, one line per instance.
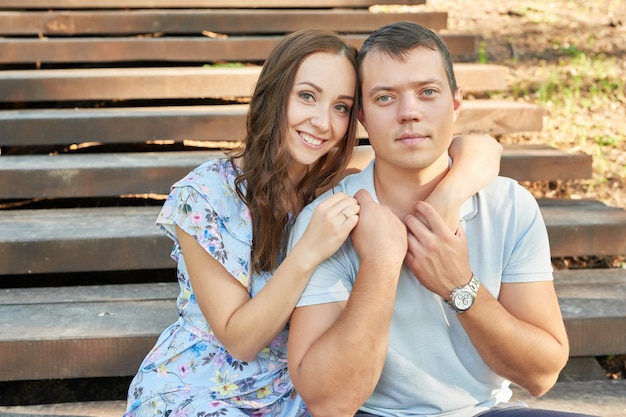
(188, 372)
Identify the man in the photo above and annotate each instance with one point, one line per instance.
(408, 317)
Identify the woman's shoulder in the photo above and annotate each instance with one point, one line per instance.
(207, 197)
(213, 178)
(218, 169)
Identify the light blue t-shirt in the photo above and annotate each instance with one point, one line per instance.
(432, 368)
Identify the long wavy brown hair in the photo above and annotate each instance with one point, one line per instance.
(264, 183)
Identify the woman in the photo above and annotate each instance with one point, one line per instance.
(226, 354)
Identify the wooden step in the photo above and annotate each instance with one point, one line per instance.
(107, 330)
(594, 309)
(584, 227)
(171, 48)
(113, 408)
(140, 4)
(82, 239)
(529, 162)
(95, 175)
(225, 21)
(85, 331)
(209, 123)
(177, 82)
(598, 398)
(125, 238)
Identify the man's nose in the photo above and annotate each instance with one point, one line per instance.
(410, 108)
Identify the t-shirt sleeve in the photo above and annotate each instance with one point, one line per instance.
(530, 258)
(332, 280)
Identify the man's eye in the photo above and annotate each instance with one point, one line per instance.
(430, 92)
(384, 99)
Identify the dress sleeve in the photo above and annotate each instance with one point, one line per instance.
(212, 216)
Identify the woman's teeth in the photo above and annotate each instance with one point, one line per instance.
(311, 140)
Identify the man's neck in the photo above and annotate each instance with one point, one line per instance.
(400, 188)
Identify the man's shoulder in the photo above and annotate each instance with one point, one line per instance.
(505, 194)
(504, 188)
(350, 184)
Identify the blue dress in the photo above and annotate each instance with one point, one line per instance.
(188, 372)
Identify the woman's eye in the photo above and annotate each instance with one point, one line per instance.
(307, 96)
(342, 108)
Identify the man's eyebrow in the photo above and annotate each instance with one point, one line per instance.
(436, 81)
(377, 89)
(413, 84)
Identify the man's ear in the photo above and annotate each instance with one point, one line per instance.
(457, 102)
(361, 117)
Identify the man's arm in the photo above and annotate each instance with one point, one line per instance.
(529, 345)
(337, 350)
(520, 335)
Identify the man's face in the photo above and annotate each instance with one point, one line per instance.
(408, 108)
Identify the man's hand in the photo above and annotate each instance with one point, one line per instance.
(436, 256)
(379, 236)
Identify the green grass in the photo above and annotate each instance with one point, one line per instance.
(579, 84)
(584, 98)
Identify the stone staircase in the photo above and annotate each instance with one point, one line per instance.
(105, 103)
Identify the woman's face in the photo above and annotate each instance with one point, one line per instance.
(318, 109)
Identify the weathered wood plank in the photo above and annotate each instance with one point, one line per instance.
(119, 84)
(85, 239)
(168, 49)
(74, 84)
(210, 123)
(107, 330)
(95, 175)
(539, 163)
(114, 174)
(112, 408)
(85, 294)
(134, 4)
(84, 340)
(231, 22)
(499, 117)
(594, 309)
(584, 227)
(122, 125)
(125, 238)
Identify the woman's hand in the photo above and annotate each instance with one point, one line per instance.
(331, 224)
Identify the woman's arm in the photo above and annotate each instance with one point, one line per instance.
(243, 324)
(475, 163)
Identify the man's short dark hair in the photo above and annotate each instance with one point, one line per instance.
(399, 38)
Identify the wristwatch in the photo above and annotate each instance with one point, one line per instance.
(462, 298)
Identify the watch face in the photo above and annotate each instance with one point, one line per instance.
(463, 300)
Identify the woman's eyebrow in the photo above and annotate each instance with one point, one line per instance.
(321, 90)
(313, 85)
